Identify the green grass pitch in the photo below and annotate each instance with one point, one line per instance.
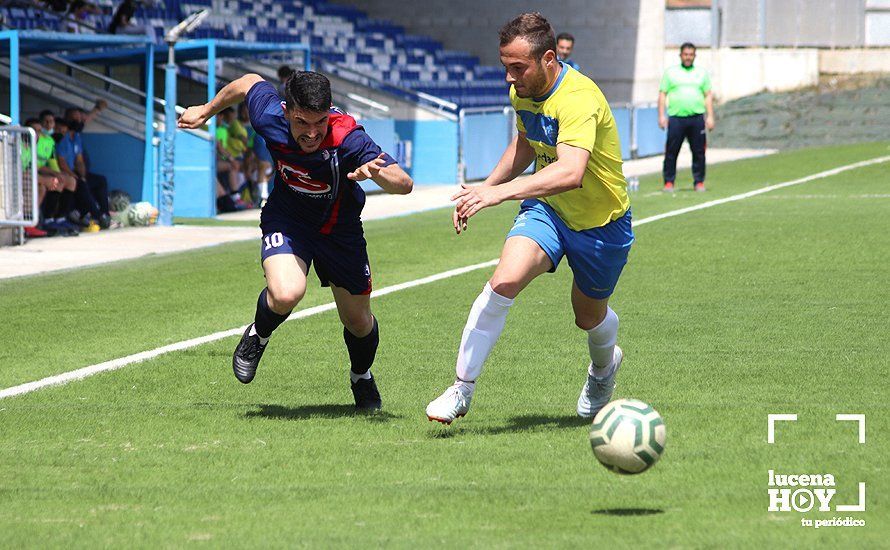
(774, 304)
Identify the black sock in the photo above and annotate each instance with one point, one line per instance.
(265, 321)
(67, 203)
(50, 205)
(362, 350)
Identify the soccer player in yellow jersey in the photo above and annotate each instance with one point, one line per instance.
(574, 205)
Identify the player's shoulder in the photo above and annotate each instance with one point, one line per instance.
(262, 86)
(576, 81)
(578, 90)
(344, 132)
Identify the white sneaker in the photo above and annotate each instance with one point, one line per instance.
(454, 403)
(598, 391)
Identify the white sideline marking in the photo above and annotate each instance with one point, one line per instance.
(115, 364)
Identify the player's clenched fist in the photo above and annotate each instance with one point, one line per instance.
(193, 117)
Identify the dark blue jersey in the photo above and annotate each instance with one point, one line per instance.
(312, 188)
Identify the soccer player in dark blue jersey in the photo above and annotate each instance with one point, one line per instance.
(313, 213)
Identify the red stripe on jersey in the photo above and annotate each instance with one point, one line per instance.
(332, 219)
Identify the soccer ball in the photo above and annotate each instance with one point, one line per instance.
(627, 436)
(142, 213)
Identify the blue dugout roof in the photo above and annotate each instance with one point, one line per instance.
(41, 42)
(189, 50)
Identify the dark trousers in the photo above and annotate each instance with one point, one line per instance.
(681, 128)
(92, 195)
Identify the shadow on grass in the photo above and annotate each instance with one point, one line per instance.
(532, 422)
(517, 424)
(628, 512)
(304, 412)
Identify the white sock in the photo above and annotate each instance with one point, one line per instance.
(356, 377)
(264, 190)
(601, 341)
(253, 332)
(484, 326)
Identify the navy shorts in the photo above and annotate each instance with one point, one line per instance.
(596, 256)
(340, 258)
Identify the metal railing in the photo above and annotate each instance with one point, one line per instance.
(127, 119)
(19, 206)
(508, 113)
(423, 100)
(490, 136)
(110, 82)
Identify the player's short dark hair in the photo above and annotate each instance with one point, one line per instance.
(534, 28)
(687, 46)
(284, 71)
(565, 36)
(31, 121)
(45, 113)
(308, 90)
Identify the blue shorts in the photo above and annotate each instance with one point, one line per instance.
(596, 255)
(340, 259)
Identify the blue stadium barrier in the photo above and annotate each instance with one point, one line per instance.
(383, 132)
(623, 118)
(193, 179)
(649, 137)
(484, 136)
(433, 146)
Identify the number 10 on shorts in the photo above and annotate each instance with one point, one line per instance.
(274, 240)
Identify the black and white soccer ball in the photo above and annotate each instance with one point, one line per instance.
(142, 214)
(628, 436)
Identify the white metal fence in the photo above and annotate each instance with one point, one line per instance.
(19, 205)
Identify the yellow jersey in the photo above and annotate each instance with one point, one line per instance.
(575, 112)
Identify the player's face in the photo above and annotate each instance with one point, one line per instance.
(527, 74)
(564, 48)
(687, 57)
(48, 123)
(309, 128)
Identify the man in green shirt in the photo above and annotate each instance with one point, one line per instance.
(687, 90)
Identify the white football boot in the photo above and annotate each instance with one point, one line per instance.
(597, 391)
(454, 403)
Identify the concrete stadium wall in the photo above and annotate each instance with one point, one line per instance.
(740, 72)
(618, 44)
(854, 61)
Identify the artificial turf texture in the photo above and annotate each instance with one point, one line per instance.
(773, 304)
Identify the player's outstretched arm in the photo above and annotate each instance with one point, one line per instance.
(516, 158)
(233, 93)
(563, 175)
(391, 179)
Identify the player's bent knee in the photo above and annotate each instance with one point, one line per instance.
(505, 287)
(585, 323)
(285, 297)
(359, 323)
